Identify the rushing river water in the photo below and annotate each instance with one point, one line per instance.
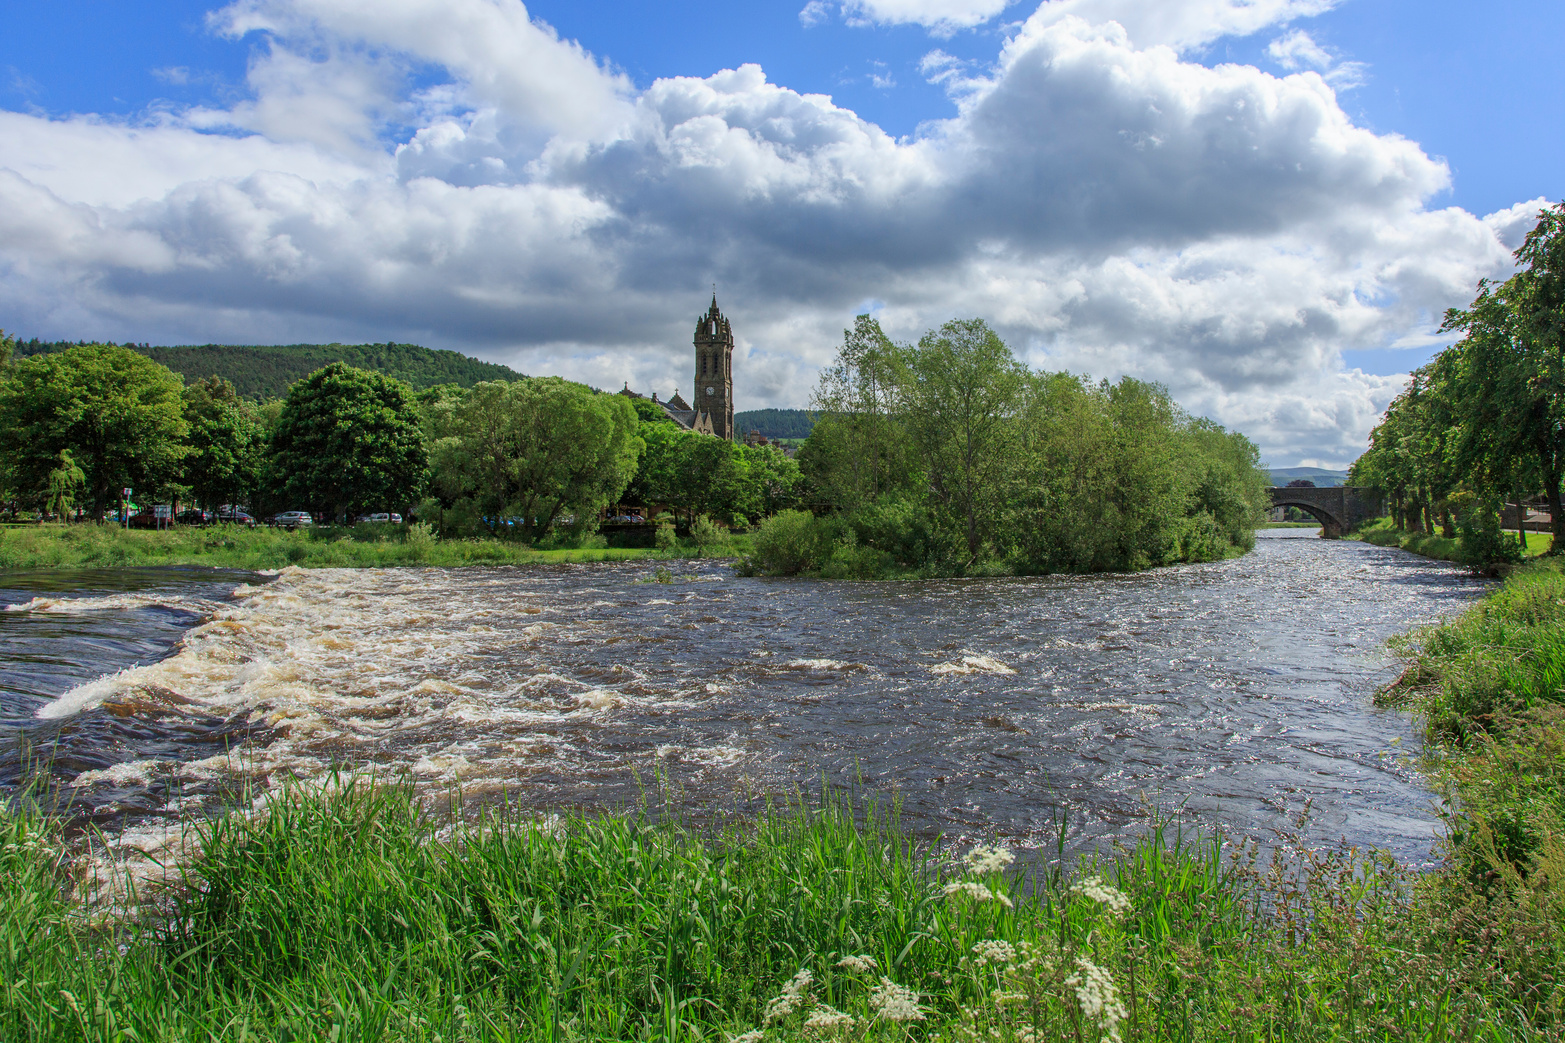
(1234, 690)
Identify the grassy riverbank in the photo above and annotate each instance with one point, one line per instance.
(363, 546)
(1490, 686)
(1382, 532)
(352, 917)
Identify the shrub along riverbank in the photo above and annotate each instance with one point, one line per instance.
(1382, 532)
(362, 546)
(353, 917)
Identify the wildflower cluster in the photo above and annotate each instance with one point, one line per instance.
(895, 1002)
(984, 859)
(859, 964)
(1111, 898)
(1097, 997)
(976, 891)
(794, 995)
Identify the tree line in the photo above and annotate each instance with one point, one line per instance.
(1484, 421)
(534, 458)
(949, 456)
(263, 371)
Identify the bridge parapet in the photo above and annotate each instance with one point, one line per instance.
(1340, 509)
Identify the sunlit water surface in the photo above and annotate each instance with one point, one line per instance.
(1233, 691)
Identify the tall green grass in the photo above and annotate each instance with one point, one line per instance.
(354, 916)
(1490, 686)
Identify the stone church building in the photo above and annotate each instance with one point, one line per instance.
(713, 409)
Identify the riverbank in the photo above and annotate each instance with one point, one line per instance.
(351, 915)
(226, 546)
(1382, 532)
(1488, 687)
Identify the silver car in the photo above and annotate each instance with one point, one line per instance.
(294, 520)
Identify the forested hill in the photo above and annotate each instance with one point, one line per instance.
(266, 371)
(775, 423)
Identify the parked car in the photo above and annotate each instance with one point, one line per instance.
(234, 516)
(193, 516)
(392, 518)
(293, 520)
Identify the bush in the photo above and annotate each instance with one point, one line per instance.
(1484, 547)
(708, 535)
(789, 543)
(665, 540)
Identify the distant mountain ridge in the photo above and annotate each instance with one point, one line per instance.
(1322, 477)
(265, 371)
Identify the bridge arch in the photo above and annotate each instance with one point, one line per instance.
(1339, 509)
(1330, 525)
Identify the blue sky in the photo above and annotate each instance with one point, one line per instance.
(134, 111)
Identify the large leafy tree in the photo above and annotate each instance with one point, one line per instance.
(521, 455)
(117, 412)
(225, 442)
(348, 440)
(961, 398)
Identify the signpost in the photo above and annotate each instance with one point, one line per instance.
(125, 505)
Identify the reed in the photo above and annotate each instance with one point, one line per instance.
(354, 915)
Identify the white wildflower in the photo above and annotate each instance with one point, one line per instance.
(993, 950)
(1002, 998)
(861, 964)
(825, 1019)
(788, 1001)
(753, 1036)
(894, 1002)
(977, 892)
(1111, 897)
(1097, 997)
(983, 859)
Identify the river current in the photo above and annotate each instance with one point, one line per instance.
(1229, 692)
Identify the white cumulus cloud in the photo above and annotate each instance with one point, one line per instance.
(1109, 206)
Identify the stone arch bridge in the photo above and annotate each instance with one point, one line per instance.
(1339, 510)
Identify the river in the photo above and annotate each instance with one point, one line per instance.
(1231, 692)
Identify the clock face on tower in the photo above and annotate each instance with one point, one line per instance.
(709, 391)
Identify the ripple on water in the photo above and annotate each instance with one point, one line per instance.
(1235, 690)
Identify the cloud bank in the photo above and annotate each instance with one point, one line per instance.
(451, 172)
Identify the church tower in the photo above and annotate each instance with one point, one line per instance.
(715, 371)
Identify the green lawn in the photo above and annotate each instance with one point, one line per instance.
(362, 546)
(1383, 533)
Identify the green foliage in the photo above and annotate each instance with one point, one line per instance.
(517, 458)
(665, 540)
(65, 481)
(708, 536)
(348, 441)
(118, 413)
(775, 423)
(1489, 686)
(949, 457)
(697, 473)
(351, 915)
(268, 371)
(1485, 418)
(321, 546)
(226, 443)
